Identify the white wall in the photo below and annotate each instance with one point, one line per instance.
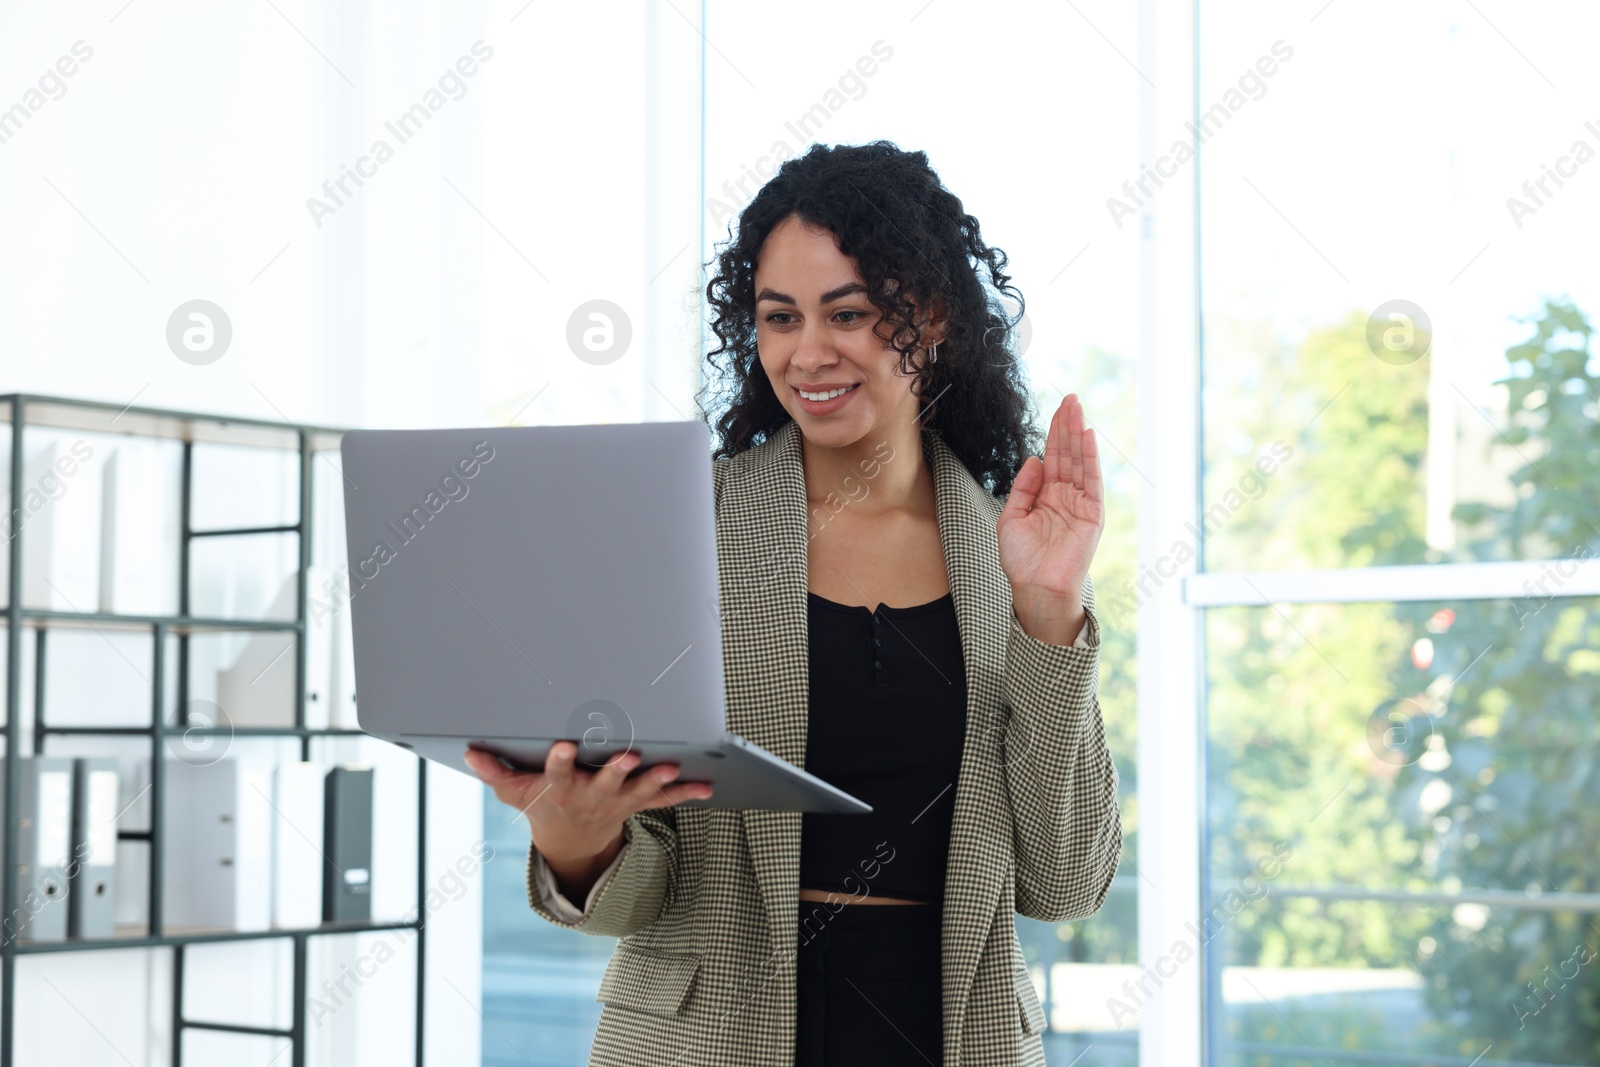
(177, 165)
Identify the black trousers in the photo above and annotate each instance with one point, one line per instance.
(869, 986)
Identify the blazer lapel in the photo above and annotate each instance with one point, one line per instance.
(762, 576)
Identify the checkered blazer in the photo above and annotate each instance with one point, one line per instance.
(705, 901)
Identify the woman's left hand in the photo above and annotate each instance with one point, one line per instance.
(1050, 527)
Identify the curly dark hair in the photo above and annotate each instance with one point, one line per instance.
(888, 209)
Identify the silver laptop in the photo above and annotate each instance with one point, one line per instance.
(515, 586)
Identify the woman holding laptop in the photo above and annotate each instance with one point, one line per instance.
(910, 607)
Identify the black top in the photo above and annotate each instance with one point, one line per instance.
(887, 721)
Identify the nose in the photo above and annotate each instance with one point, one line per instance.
(814, 348)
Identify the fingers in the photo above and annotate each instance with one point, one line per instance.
(1054, 445)
(609, 778)
(1071, 454)
(1085, 451)
(677, 794)
(656, 777)
(558, 762)
(1024, 489)
(488, 767)
(1074, 442)
(649, 789)
(1092, 483)
(654, 792)
(511, 787)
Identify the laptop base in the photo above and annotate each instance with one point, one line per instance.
(743, 775)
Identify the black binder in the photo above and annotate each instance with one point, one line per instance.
(347, 844)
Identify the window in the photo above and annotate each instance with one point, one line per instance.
(1398, 404)
(1008, 125)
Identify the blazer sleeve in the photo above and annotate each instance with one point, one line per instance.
(542, 884)
(631, 894)
(1059, 776)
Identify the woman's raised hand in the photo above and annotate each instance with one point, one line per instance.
(1051, 525)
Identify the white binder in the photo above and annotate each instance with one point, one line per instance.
(61, 541)
(297, 846)
(217, 846)
(139, 534)
(92, 891)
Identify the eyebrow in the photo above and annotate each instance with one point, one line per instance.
(827, 298)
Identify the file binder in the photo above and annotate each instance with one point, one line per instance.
(92, 889)
(218, 846)
(44, 847)
(61, 564)
(347, 844)
(297, 846)
(139, 530)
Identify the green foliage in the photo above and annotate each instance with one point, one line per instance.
(1521, 731)
(1506, 794)
(1291, 687)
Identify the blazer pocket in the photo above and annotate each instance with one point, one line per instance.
(654, 982)
(1028, 1006)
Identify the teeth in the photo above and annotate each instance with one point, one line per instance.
(825, 396)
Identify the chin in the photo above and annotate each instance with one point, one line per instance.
(835, 434)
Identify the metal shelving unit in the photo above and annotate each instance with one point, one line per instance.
(23, 411)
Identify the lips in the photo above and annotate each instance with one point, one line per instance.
(827, 407)
(827, 388)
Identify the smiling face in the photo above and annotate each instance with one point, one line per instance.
(815, 332)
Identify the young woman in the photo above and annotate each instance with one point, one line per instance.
(907, 613)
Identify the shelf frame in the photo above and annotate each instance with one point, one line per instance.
(189, 428)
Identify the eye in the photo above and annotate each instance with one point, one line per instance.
(774, 315)
(857, 314)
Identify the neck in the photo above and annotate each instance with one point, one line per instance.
(884, 471)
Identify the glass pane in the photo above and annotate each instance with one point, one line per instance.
(1073, 965)
(1076, 268)
(1042, 200)
(539, 981)
(1367, 759)
(545, 277)
(1398, 366)
(1078, 271)
(1436, 992)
